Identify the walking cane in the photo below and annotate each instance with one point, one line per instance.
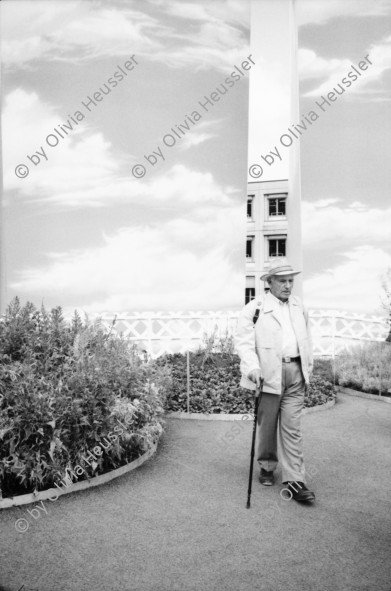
(258, 396)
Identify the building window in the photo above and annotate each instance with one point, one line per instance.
(276, 205)
(250, 294)
(250, 288)
(250, 206)
(249, 248)
(277, 247)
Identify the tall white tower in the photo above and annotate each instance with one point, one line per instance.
(274, 186)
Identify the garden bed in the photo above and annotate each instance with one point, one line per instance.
(215, 384)
(76, 400)
(366, 368)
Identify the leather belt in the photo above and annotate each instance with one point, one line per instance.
(289, 359)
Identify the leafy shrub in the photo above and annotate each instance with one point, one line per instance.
(320, 391)
(365, 368)
(215, 383)
(215, 343)
(323, 367)
(64, 388)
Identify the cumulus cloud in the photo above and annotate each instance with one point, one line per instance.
(202, 133)
(181, 264)
(191, 261)
(73, 31)
(233, 11)
(355, 284)
(218, 44)
(328, 222)
(322, 11)
(79, 31)
(312, 65)
(84, 170)
(82, 163)
(331, 71)
(359, 234)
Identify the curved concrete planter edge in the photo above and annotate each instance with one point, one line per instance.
(376, 397)
(50, 493)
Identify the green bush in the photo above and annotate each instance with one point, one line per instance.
(215, 383)
(365, 368)
(323, 367)
(64, 389)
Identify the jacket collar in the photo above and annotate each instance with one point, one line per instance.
(271, 303)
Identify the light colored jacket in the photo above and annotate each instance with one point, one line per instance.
(260, 347)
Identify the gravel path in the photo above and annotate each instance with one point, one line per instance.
(179, 522)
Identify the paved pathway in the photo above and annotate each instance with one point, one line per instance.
(179, 523)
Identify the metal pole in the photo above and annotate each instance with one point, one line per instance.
(188, 380)
(258, 395)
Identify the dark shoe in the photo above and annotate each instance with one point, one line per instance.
(300, 492)
(266, 478)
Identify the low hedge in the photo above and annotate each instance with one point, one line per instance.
(215, 384)
(366, 368)
(67, 389)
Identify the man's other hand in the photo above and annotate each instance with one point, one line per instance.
(256, 377)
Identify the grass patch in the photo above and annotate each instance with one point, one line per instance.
(366, 367)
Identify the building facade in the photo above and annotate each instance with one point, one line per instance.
(267, 230)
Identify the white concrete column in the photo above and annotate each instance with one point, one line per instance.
(274, 107)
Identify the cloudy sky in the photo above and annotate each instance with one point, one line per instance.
(84, 228)
(346, 177)
(82, 231)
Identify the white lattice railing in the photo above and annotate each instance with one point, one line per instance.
(334, 330)
(160, 332)
(173, 332)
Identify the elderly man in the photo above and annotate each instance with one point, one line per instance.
(273, 341)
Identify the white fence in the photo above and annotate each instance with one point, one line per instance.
(160, 332)
(333, 330)
(172, 332)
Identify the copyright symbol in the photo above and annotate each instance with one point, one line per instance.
(138, 171)
(256, 171)
(21, 525)
(283, 496)
(21, 171)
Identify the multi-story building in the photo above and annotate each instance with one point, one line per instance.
(267, 230)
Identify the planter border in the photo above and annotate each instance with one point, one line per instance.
(359, 394)
(50, 493)
(320, 407)
(237, 417)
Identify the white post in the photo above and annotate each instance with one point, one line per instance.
(294, 248)
(333, 342)
(188, 379)
(149, 321)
